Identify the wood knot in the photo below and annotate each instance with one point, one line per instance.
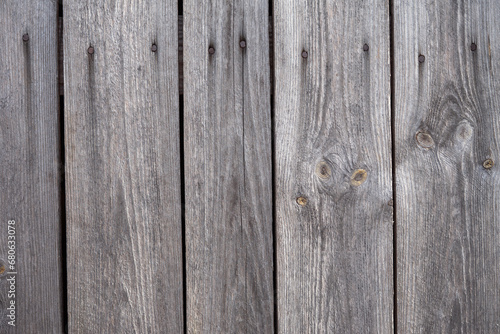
(323, 171)
(488, 164)
(301, 200)
(464, 131)
(424, 139)
(358, 177)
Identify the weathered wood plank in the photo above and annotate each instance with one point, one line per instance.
(181, 62)
(447, 124)
(123, 170)
(30, 178)
(227, 122)
(333, 167)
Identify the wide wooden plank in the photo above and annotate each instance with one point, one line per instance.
(30, 170)
(333, 167)
(447, 125)
(123, 167)
(228, 175)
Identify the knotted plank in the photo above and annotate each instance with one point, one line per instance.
(333, 167)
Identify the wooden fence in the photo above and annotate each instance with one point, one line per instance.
(249, 167)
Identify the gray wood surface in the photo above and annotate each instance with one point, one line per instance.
(30, 170)
(123, 167)
(181, 62)
(333, 167)
(228, 175)
(447, 125)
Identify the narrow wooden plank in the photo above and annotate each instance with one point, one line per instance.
(447, 125)
(227, 122)
(123, 167)
(333, 167)
(30, 171)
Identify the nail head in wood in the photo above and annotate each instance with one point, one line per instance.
(243, 44)
(304, 54)
(211, 50)
(488, 164)
(26, 37)
(90, 50)
(421, 58)
(366, 47)
(301, 200)
(154, 48)
(473, 47)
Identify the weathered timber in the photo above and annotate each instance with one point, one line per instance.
(30, 168)
(228, 173)
(447, 126)
(333, 167)
(123, 169)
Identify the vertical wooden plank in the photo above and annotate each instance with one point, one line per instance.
(447, 126)
(29, 167)
(123, 170)
(333, 167)
(228, 167)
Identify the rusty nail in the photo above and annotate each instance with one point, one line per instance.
(154, 47)
(211, 50)
(243, 44)
(26, 37)
(473, 47)
(302, 201)
(488, 163)
(304, 54)
(90, 50)
(366, 47)
(421, 58)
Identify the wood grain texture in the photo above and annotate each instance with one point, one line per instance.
(30, 171)
(227, 123)
(333, 167)
(447, 124)
(181, 62)
(123, 167)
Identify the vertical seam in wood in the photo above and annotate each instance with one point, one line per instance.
(273, 164)
(62, 167)
(180, 65)
(393, 151)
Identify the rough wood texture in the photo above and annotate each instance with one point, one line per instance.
(333, 167)
(181, 62)
(30, 178)
(123, 170)
(227, 121)
(447, 124)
